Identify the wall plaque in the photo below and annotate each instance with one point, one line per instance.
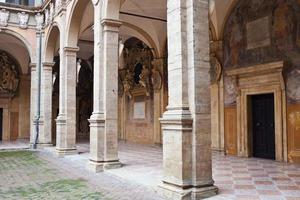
(139, 109)
(258, 33)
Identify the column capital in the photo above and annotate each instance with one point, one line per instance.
(111, 25)
(71, 50)
(32, 66)
(48, 65)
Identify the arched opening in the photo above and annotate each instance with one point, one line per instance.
(141, 84)
(15, 89)
(81, 35)
(52, 58)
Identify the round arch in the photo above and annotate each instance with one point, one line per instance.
(23, 40)
(51, 42)
(232, 5)
(73, 24)
(146, 37)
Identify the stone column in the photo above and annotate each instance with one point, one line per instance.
(66, 120)
(186, 123)
(33, 99)
(46, 105)
(104, 120)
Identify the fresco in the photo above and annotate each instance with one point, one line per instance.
(245, 45)
(230, 91)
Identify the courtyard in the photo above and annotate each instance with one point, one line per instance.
(42, 175)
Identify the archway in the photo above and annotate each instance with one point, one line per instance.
(15, 88)
(50, 84)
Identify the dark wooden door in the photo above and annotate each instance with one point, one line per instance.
(263, 126)
(1, 124)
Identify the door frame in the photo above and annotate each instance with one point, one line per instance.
(251, 124)
(256, 80)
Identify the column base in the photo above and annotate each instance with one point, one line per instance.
(41, 145)
(101, 166)
(65, 152)
(176, 193)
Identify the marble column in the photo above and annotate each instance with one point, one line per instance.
(187, 170)
(66, 120)
(104, 120)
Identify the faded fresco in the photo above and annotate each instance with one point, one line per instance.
(265, 31)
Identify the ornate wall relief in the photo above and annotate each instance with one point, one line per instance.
(230, 90)
(9, 75)
(293, 86)
(4, 15)
(137, 72)
(138, 81)
(23, 20)
(215, 69)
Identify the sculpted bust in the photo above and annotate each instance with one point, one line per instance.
(23, 20)
(4, 15)
(39, 21)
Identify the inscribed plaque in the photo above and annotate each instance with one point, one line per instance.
(258, 33)
(139, 110)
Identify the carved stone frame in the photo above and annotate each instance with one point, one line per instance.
(254, 80)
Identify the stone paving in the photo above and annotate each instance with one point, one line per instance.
(237, 178)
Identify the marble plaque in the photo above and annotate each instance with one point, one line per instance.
(139, 110)
(258, 33)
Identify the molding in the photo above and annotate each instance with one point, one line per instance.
(111, 23)
(256, 69)
(71, 49)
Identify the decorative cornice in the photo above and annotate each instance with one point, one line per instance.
(256, 69)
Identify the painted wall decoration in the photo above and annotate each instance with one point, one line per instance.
(230, 91)
(259, 32)
(293, 86)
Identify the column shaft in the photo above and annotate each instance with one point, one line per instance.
(104, 120)
(66, 120)
(186, 123)
(46, 105)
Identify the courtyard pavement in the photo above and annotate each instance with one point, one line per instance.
(236, 178)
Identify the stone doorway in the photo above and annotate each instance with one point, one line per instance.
(257, 80)
(263, 131)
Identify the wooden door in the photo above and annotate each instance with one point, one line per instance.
(263, 126)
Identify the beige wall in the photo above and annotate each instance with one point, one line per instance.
(16, 111)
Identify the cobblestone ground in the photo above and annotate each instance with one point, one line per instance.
(29, 175)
